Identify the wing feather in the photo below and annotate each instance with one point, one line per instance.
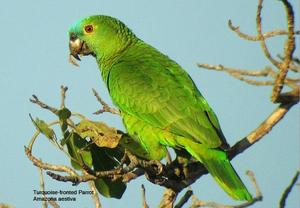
(155, 89)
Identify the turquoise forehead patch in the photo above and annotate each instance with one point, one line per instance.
(76, 27)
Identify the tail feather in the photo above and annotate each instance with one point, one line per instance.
(219, 167)
(225, 175)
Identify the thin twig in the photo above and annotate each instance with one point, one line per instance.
(63, 95)
(46, 166)
(254, 73)
(239, 73)
(266, 35)
(252, 82)
(152, 166)
(95, 194)
(145, 205)
(288, 190)
(293, 83)
(261, 37)
(258, 194)
(53, 204)
(184, 199)
(30, 146)
(294, 65)
(35, 100)
(74, 179)
(105, 106)
(42, 187)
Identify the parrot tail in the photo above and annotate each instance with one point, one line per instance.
(218, 165)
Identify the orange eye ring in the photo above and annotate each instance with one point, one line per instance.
(89, 28)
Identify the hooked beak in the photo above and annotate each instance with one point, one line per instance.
(77, 48)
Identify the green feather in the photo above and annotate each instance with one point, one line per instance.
(218, 165)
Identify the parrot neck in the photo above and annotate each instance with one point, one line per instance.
(111, 55)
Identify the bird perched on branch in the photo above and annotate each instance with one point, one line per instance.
(159, 103)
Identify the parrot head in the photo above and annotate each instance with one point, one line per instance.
(100, 36)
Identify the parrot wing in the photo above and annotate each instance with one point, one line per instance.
(155, 89)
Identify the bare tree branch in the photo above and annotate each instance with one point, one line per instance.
(105, 106)
(288, 53)
(46, 166)
(257, 134)
(43, 105)
(266, 35)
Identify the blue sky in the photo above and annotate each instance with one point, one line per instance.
(34, 51)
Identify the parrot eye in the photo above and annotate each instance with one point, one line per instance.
(89, 28)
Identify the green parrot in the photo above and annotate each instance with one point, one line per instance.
(159, 103)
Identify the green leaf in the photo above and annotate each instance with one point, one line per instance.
(64, 114)
(78, 151)
(43, 127)
(110, 189)
(104, 154)
(107, 159)
(101, 134)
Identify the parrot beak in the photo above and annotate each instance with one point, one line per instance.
(77, 48)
